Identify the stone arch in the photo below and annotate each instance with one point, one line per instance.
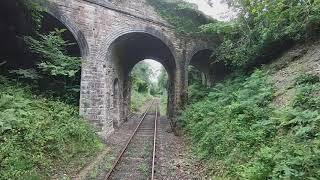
(54, 11)
(199, 58)
(195, 51)
(124, 49)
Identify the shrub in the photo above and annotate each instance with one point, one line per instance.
(244, 137)
(39, 136)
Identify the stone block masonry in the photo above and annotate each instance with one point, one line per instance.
(113, 36)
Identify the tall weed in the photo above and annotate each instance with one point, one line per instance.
(39, 136)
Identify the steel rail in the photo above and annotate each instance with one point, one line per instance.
(154, 144)
(129, 141)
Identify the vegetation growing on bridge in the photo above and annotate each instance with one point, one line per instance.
(182, 15)
(235, 126)
(262, 31)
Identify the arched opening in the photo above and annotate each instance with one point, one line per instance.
(199, 68)
(50, 23)
(19, 60)
(202, 73)
(128, 50)
(68, 85)
(199, 75)
(149, 80)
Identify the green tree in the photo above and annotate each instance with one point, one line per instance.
(140, 75)
(264, 29)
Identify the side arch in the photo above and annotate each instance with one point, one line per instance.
(54, 11)
(199, 58)
(195, 51)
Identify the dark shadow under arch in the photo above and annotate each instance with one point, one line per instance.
(211, 71)
(54, 10)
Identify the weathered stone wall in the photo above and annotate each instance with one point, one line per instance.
(96, 25)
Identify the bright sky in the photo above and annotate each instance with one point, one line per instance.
(219, 10)
(156, 69)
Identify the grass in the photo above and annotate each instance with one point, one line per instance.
(144, 169)
(163, 105)
(101, 167)
(138, 100)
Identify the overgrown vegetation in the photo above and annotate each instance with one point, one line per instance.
(234, 125)
(144, 89)
(162, 91)
(240, 133)
(56, 73)
(41, 134)
(51, 69)
(264, 29)
(196, 90)
(138, 100)
(141, 85)
(41, 137)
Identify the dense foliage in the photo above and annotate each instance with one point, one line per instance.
(162, 83)
(39, 136)
(196, 90)
(237, 129)
(52, 51)
(56, 74)
(140, 77)
(34, 10)
(144, 87)
(264, 29)
(141, 85)
(52, 71)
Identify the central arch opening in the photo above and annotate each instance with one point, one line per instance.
(149, 80)
(125, 53)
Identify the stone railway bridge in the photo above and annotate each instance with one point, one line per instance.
(113, 36)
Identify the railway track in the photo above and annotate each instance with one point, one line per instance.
(138, 158)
